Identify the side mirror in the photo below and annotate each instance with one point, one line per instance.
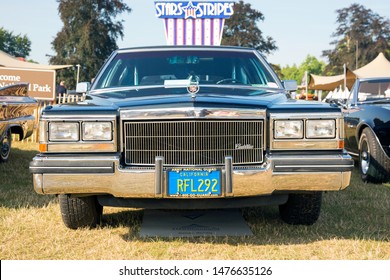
(339, 102)
(83, 87)
(290, 85)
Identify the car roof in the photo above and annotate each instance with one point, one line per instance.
(165, 47)
(374, 79)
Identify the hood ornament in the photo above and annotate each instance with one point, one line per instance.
(193, 87)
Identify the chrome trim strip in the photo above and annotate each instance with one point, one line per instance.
(310, 163)
(67, 165)
(33, 169)
(305, 144)
(192, 113)
(140, 87)
(159, 175)
(75, 159)
(292, 116)
(80, 117)
(228, 174)
(72, 170)
(313, 166)
(72, 147)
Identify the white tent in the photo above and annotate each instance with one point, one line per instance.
(331, 82)
(379, 67)
(11, 62)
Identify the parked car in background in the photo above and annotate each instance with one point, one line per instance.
(16, 116)
(367, 127)
(190, 128)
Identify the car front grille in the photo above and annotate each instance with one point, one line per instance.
(193, 142)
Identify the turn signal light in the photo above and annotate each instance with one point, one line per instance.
(43, 148)
(341, 144)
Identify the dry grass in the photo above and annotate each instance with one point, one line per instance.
(354, 224)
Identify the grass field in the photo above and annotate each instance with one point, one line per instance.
(354, 224)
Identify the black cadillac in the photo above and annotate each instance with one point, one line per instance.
(367, 127)
(189, 128)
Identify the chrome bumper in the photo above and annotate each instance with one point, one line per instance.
(84, 174)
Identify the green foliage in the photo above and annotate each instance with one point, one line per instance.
(241, 29)
(360, 36)
(15, 45)
(88, 36)
(291, 73)
(277, 69)
(312, 65)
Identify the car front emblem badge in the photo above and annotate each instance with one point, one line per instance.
(193, 89)
(240, 146)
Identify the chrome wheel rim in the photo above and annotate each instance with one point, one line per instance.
(5, 147)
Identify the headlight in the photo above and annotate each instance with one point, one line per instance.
(320, 129)
(97, 131)
(288, 129)
(64, 131)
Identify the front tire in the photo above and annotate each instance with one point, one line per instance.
(80, 212)
(372, 162)
(301, 209)
(5, 146)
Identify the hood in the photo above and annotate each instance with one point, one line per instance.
(157, 97)
(244, 97)
(378, 104)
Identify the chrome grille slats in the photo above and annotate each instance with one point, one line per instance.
(193, 142)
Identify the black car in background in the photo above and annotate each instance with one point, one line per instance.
(367, 127)
(16, 116)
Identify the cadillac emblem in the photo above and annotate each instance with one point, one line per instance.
(193, 89)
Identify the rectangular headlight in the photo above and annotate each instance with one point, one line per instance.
(97, 131)
(321, 129)
(64, 131)
(288, 129)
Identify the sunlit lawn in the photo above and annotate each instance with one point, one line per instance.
(354, 224)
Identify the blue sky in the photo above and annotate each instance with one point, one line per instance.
(300, 28)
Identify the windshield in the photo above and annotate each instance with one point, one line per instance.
(182, 68)
(374, 90)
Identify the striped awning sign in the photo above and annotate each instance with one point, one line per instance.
(194, 22)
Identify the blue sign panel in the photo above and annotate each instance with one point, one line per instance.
(194, 9)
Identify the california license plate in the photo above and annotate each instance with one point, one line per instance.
(194, 182)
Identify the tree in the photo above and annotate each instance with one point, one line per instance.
(290, 73)
(88, 36)
(311, 64)
(15, 45)
(277, 69)
(241, 29)
(360, 36)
